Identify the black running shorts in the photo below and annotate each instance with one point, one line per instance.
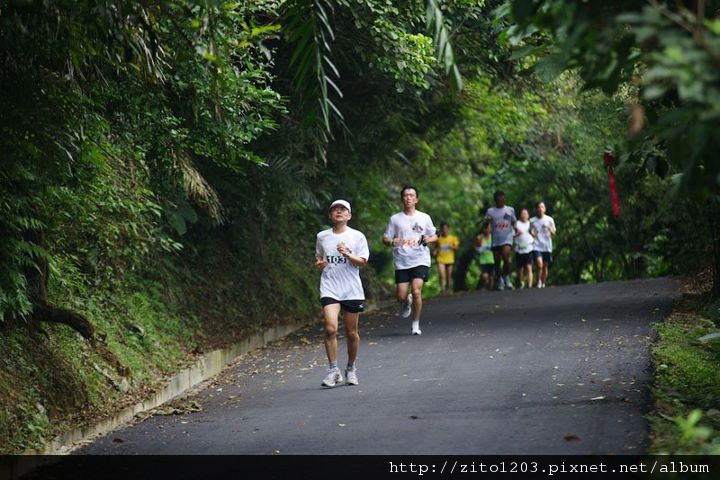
(407, 275)
(351, 306)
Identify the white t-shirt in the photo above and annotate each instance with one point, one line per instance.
(502, 228)
(524, 241)
(408, 228)
(543, 239)
(340, 279)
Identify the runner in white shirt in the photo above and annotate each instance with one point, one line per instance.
(502, 218)
(408, 233)
(340, 252)
(523, 249)
(542, 228)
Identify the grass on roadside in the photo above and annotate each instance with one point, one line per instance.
(686, 418)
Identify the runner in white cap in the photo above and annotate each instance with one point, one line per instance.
(340, 252)
(408, 233)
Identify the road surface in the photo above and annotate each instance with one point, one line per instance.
(562, 370)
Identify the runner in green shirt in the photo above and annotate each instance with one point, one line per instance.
(483, 245)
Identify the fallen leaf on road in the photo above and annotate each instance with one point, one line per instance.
(601, 397)
(341, 425)
(414, 417)
(118, 440)
(571, 438)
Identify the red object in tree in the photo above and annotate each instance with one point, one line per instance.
(614, 197)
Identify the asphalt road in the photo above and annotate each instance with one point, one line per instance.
(563, 370)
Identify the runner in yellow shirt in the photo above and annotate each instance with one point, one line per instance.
(445, 253)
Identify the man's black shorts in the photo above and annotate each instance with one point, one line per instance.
(500, 247)
(351, 306)
(488, 268)
(546, 256)
(407, 275)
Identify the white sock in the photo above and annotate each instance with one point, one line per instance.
(416, 324)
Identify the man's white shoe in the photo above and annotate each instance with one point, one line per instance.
(407, 308)
(500, 284)
(508, 284)
(333, 378)
(351, 377)
(416, 331)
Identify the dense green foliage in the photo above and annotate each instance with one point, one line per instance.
(666, 55)
(169, 162)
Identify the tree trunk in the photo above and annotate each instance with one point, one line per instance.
(37, 277)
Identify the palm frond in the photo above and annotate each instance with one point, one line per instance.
(309, 30)
(443, 46)
(198, 189)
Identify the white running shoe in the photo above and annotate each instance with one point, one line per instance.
(333, 378)
(351, 377)
(522, 285)
(416, 331)
(508, 284)
(500, 285)
(407, 308)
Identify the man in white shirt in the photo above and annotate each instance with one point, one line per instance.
(542, 227)
(502, 218)
(408, 233)
(340, 252)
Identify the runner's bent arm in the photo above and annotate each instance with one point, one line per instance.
(389, 238)
(320, 262)
(431, 238)
(390, 242)
(354, 259)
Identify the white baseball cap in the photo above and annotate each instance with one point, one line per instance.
(344, 203)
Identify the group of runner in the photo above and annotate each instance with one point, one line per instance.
(341, 251)
(530, 237)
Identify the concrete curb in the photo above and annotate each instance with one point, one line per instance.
(206, 367)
